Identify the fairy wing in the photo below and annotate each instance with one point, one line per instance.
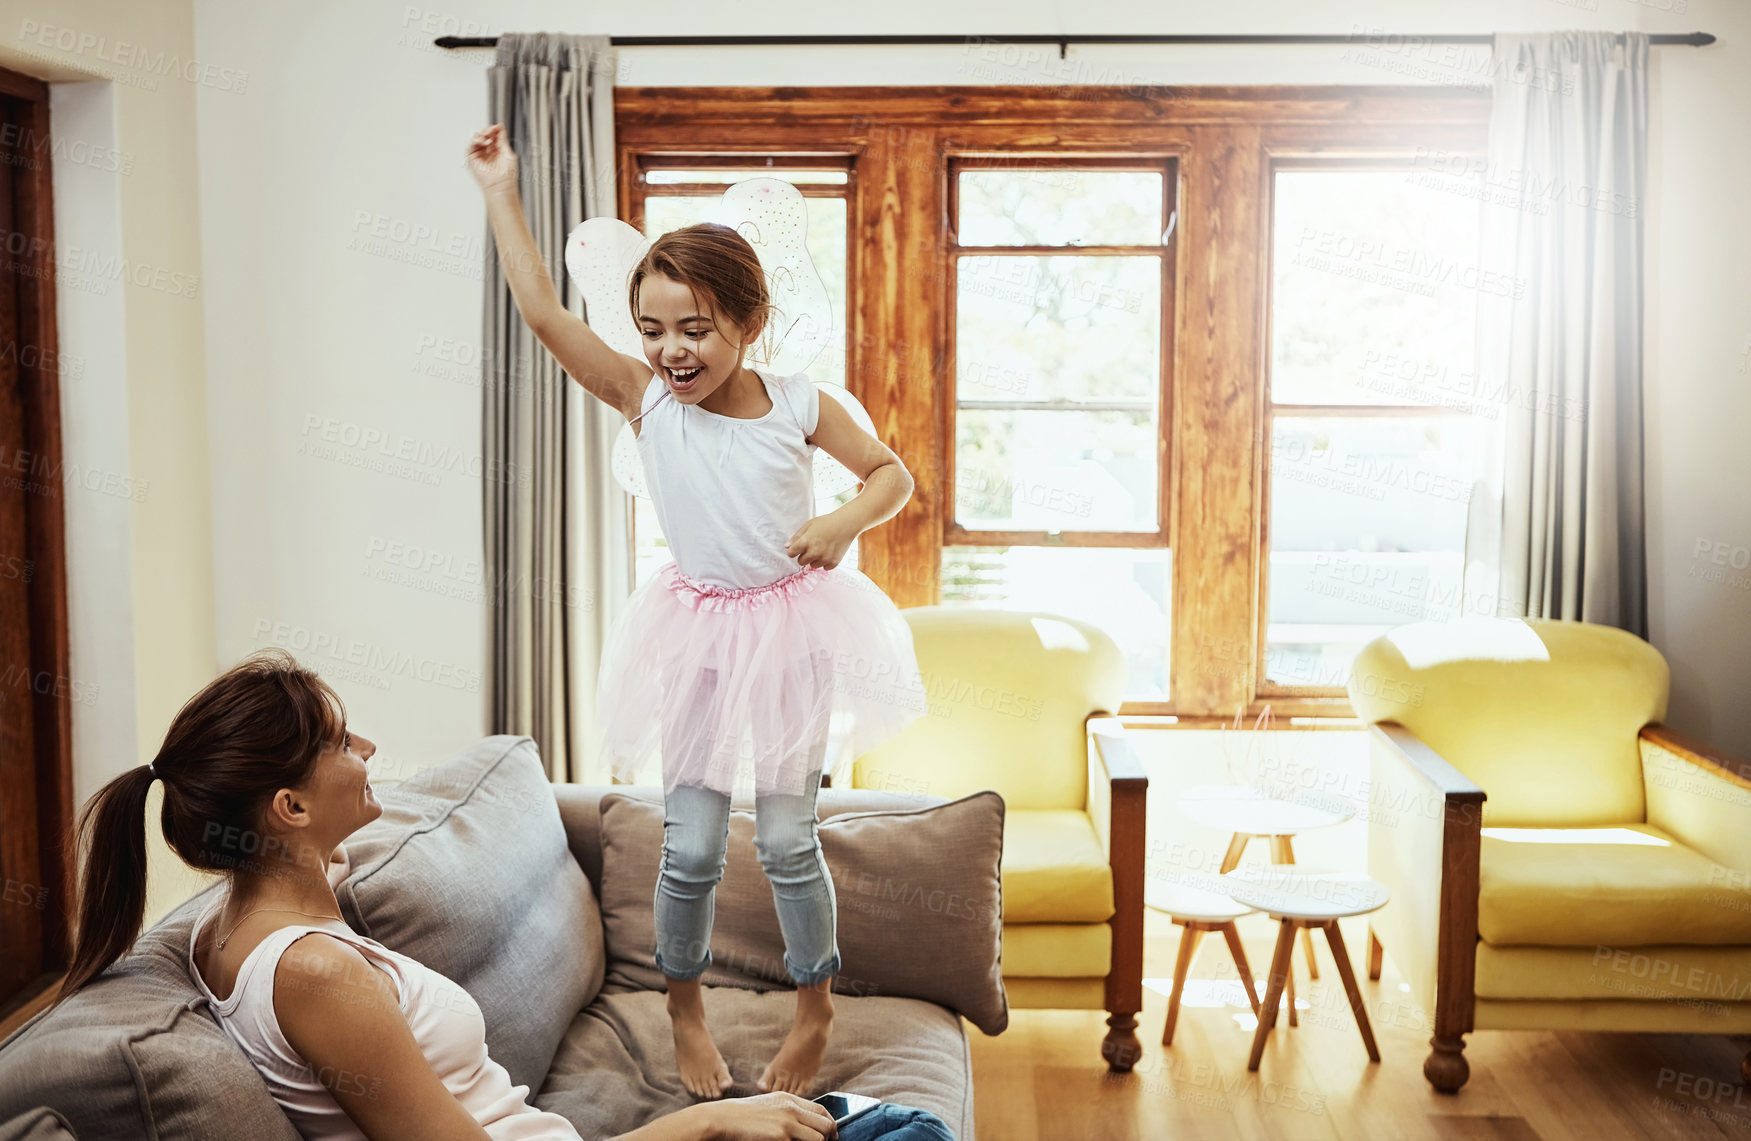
(600, 254)
(773, 216)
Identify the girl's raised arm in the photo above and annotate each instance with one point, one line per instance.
(615, 378)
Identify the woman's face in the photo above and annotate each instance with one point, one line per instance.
(682, 336)
(339, 795)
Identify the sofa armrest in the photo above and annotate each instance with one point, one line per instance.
(1700, 796)
(1118, 793)
(1425, 833)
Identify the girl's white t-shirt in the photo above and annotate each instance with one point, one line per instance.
(730, 493)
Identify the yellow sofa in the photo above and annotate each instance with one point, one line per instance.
(1558, 859)
(1020, 702)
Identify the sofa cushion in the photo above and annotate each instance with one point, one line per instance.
(136, 1054)
(1699, 978)
(920, 904)
(40, 1124)
(1621, 886)
(1054, 870)
(1057, 950)
(616, 1069)
(468, 871)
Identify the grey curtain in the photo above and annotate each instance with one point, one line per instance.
(1556, 527)
(558, 527)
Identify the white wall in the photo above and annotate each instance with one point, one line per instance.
(1698, 330)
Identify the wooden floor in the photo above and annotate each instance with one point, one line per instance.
(1043, 1080)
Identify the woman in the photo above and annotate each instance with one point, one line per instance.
(263, 781)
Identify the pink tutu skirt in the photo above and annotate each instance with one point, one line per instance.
(741, 690)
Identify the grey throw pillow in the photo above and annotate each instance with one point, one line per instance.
(468, 871)
(40, 1124)
(920, 903)
(136, 1054)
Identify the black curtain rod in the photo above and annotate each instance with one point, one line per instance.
(1686, 39)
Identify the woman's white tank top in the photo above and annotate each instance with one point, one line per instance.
(730, 493)
(445, 1019)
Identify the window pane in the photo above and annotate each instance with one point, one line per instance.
(1061, 329)
(1123, 592)
(1373, 289)
(1055, 471)
(1367, 533)
(1058, 327)
(715, 174)
(1056, 206)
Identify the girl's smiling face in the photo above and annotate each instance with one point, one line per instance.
(683, 340)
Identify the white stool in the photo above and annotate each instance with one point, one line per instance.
(1248, 812)
(1302, 901)
(1198, 910)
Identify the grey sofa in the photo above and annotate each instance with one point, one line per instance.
(536, 898)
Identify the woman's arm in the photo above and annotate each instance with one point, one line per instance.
(342, 1016)
(682, 1125)
(614, 378)
(772, 1116)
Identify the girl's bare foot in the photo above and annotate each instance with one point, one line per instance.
(702, 1068)
(799, 1059)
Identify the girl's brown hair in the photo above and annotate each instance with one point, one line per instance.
(710, 258)
(257, 728)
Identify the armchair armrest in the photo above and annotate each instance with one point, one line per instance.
(1118, 793)
(1701, 796)
(1425, 834)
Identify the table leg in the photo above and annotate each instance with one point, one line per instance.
(1283, 852)
(1236, 847)
(1374, 952)
(1188, 946)
(1348, 974)
(1232, 934)
(1274, 984)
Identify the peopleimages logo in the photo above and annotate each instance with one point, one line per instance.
(132, 57)
(377, 662)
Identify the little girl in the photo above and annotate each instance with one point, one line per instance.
(738, 652)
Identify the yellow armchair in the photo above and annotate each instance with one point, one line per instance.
(1020, 702)
(1558, 859)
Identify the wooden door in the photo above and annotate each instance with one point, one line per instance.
(36, 790)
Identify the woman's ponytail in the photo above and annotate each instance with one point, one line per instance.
(112, 891)
(259, 727)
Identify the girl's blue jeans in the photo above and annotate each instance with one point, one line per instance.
(696, 826)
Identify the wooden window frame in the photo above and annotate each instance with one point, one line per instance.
(1222, 142)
